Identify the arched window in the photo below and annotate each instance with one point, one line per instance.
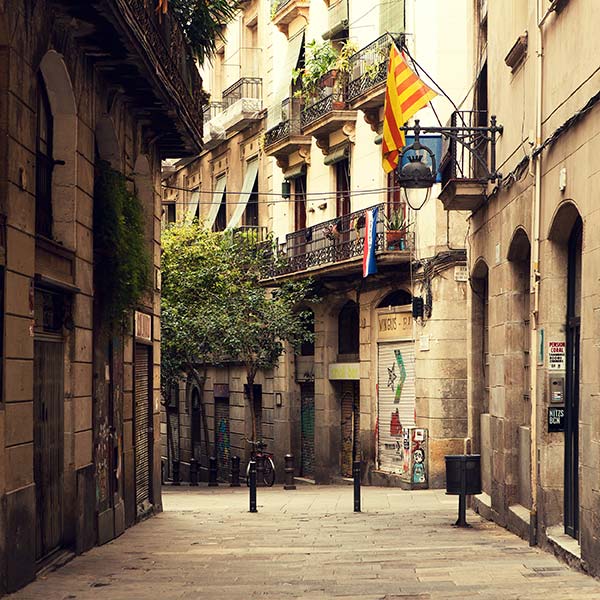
(44, 163)
(348, 329)
(396, 298)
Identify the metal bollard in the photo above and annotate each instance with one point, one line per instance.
(235, 471)
(212, 472)
(252, 486)
(193, 471)
(289, 472)
(356, 475)
(260, 471)
(175, 472)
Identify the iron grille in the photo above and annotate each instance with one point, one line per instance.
(280, 132)
(246, 87)
(212, 109)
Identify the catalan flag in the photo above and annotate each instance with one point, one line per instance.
(405, 94)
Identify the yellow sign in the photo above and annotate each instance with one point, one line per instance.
(344, 371)
(394, 325)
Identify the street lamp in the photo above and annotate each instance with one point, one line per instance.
(417, 174)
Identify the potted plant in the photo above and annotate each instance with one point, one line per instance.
(396, 225)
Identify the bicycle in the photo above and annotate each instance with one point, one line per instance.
(258, 452)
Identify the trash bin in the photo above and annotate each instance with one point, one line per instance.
(463, 474)
(463, 477)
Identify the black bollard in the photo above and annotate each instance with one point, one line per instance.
(462, 511)
(356, 475)
(260, 471)
(175, 472)
(212, 472)
(252, 487)
(289, 472)
(235, 471)
(193, 471)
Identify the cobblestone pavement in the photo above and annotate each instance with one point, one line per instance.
(309, 544)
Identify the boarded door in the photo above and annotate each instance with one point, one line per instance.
(48, 418)
(222, 437)
(143, 428)
(350, 426)
(307, 416)
(396, 400)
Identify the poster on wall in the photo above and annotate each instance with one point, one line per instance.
(557, 356)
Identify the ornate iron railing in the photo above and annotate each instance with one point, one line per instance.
(212, 109)
(315, 111)
(465, 156)
(246, 87)
(331, 242)
(281, 131)
(368, 67)
(165, 46)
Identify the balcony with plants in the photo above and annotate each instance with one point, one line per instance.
(335, 247)
(283, 12)
(286, 137)
(368, 74)
(241, 105)
(323, 89)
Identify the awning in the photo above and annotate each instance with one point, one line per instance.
(192, 207)
(337, 154)
(216, 201)
(242, 199)
(295, 171)
(282, 91)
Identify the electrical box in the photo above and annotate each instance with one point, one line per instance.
(557, 390)
(414, 473)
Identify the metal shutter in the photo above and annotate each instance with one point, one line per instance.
(307, 409)
(143, 426)
(350, 426)
(222, 437)
(396, 400)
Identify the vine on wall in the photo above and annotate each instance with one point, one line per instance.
(122, 265)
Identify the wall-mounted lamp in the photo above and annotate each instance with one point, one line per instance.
(286, 189)
(278, 399)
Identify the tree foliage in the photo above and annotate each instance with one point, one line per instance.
(203, 22)
(215, 310)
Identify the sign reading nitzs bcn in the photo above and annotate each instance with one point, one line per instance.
(393, 326)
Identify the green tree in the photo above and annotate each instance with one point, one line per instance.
(203, 22)
(215, 310)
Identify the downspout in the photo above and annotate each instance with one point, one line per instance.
(541, 16)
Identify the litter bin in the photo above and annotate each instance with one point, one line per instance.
(463, 477)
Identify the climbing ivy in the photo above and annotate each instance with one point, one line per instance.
(122, 265)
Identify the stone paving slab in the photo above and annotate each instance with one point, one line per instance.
(307, 543)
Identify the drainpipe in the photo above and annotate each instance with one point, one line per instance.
(541, 17)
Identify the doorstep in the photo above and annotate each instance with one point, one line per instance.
(304, 480)
(564, 545)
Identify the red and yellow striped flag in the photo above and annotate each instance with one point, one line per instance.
(405, 94)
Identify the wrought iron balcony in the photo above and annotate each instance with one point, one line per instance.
(337, 245)
(212, 109)
(368, 73)
(246, 88)
(286, 137)
(465, 161)
(148, 57)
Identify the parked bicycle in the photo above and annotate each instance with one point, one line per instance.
(258, 453)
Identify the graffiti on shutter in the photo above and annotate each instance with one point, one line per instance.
(396, 401)
(143, 455)
(307, 399)
(350, 426)
(222, 437)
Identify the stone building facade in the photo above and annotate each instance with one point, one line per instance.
(80, 83)
(533, 294)
(377, 385)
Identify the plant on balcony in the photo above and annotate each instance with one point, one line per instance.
(396, 225)
(325, 67)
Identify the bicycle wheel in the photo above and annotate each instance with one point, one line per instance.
(269, 472)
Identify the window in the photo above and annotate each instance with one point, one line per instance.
(348, 336)
(300, 202)
(44, 163)
(170, 212)
(342, 186)
(221, 220)
(251, 212)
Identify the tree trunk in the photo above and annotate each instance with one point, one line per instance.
(201, 380)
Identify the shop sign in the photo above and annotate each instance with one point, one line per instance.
(557, 356)
(394, 325)
(344, 371)
(556, 418)
(143, 326)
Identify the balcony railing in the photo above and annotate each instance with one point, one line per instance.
(246, 87)
(277, 5)
(368, 67)
(331, 97)
(288, 127)
(253, 233)
(331, 242)
(212, 109)
(467, 156)
(281, 131)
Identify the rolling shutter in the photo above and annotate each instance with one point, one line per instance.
(307, 399)
(222, 437)
(350, 426)
(396, 400)
(143, 427)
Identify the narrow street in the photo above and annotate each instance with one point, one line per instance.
(309, 544)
